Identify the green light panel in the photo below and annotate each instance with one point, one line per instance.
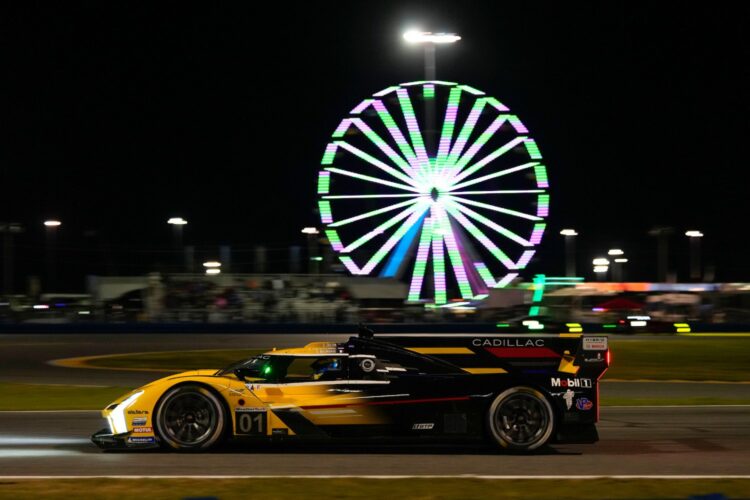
(533, 149)
(324, 181)
(542, 205)
(329, 154)
(325, 211)
(540, 171)
(333, 238)
(428, 91)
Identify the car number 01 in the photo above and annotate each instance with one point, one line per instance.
(251, 422)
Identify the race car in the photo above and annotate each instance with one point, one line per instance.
(515, 391)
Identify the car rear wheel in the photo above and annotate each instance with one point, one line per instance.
(190, 418)
(521, 418)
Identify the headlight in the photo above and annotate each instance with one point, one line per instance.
(116, 418)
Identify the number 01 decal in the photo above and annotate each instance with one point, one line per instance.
(251, 422)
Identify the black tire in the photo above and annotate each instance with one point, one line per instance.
(190, 418)
(521, 419)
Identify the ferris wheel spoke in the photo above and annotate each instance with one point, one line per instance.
(395, 131)
(479, 143)
(480, 236)
(420, 264)
(372, 179)
(466, 130)
(375, 162)
(375, 196)
(505, 191)
(492, 176)
(391, 242)
(380, 229)
(495, 208)
(438, 267)
(449, 124)
(414, 133)
(460, 175)
(383, 146)
(492, 225)
(454, 253)
(373, 213)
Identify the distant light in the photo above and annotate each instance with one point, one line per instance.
(213, 271)
(414, 36)
(177, 221)
(310, 230)
(316, 259)
(601, 269)
(600, 261)
(84, 313)
(621, 261)
(615, 251)
(52, 223)
(598, 309)
(569, 232)
(41, 306)
(642, 318)
(638, 323)
(212, 263)
(694, 234)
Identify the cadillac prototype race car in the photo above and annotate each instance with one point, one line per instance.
(518, 392)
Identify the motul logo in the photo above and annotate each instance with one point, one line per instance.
(571, 382)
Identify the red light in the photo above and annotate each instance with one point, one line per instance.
(621, 321)
(609, 357)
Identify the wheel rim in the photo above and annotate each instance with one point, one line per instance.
(189, 418)
(521, 419)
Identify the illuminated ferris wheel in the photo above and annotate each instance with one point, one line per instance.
(455, 211)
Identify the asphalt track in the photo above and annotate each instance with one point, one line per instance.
(634, 440)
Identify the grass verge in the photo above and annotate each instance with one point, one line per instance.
(429, 488)
(56, 397)
(725, 359)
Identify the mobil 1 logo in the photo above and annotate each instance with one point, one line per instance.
(570, 382)
(251, 421)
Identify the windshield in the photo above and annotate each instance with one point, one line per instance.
(253, 367)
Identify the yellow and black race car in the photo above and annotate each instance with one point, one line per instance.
(519, 392)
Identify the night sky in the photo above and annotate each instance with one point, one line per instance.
(120, 116)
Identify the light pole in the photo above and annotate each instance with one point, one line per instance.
(428, 41)
(8, 229)
(51, 237)
(570, 250)
(601, 267)
(177, 223)
(312, 249)
(616, 267)
(662, 250)
(695, 253)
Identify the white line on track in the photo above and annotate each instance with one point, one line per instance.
(344, 476)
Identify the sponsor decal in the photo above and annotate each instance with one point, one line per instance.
(568, 397)
(570, 382)
(594, 343)
(140, 421)
(423, 427)
(367, 365)
(249, 408)
(597, 359)
(137, 412)
(142, 430)
(141, 440)
(508, 342)
(584, 404)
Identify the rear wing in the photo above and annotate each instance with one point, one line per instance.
(571, 354)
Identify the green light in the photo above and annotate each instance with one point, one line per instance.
(503, 325)
(429, 91)
(324, 182)
(609, 326)
(267, 369)
(534, 311)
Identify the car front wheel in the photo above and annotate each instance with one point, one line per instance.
(190, 418)
(521, 418)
